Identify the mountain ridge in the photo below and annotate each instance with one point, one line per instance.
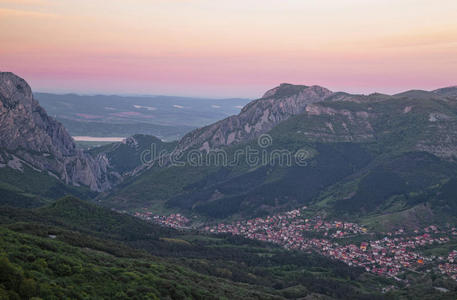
(348, 135)
(348, 138)
(29, 135)
(277, 105)
(255, 118)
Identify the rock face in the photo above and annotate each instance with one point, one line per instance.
(131, 155)
(355, 148)
(437, 123)
(29, 136)
(257, 117)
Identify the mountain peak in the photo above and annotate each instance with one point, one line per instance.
(14, 90)
(284, 90)
(287, 90)
(28, 135)
(257, 117)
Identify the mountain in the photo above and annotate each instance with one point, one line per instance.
(255, 118)
(29, 138)
(401, 146)
(127, 157)
(372, 157)
(382, 161)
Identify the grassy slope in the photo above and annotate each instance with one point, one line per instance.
(51, 269)
(125, 157)
(31, 188)
(355, 169)
(121, 246)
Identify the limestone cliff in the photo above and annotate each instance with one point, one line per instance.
(255, 118)
(29, 136)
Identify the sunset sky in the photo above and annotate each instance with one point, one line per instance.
(230, 48)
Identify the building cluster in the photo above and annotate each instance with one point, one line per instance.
(173, 220)
(397, 252)
(288, 227)
(387, 256)
(450, 266)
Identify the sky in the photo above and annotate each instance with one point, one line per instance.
(236, 48)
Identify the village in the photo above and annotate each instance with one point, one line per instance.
(176, 221)
(391, 255)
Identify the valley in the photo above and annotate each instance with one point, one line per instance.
(392, 254)
(228, 150)
(166, 117)
(331, 195)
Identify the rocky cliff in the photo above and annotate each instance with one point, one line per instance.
(257, 117)
(332, 117)
(29, 136)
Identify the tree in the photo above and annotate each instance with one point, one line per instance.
(10, 275)
(27, 288)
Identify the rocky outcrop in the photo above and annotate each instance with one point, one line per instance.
(440, 136)
(255, 118)
(28, 135)
(328, 124)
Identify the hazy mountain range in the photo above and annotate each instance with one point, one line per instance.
(165, 117)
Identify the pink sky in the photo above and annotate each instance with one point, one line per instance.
(228, 48)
